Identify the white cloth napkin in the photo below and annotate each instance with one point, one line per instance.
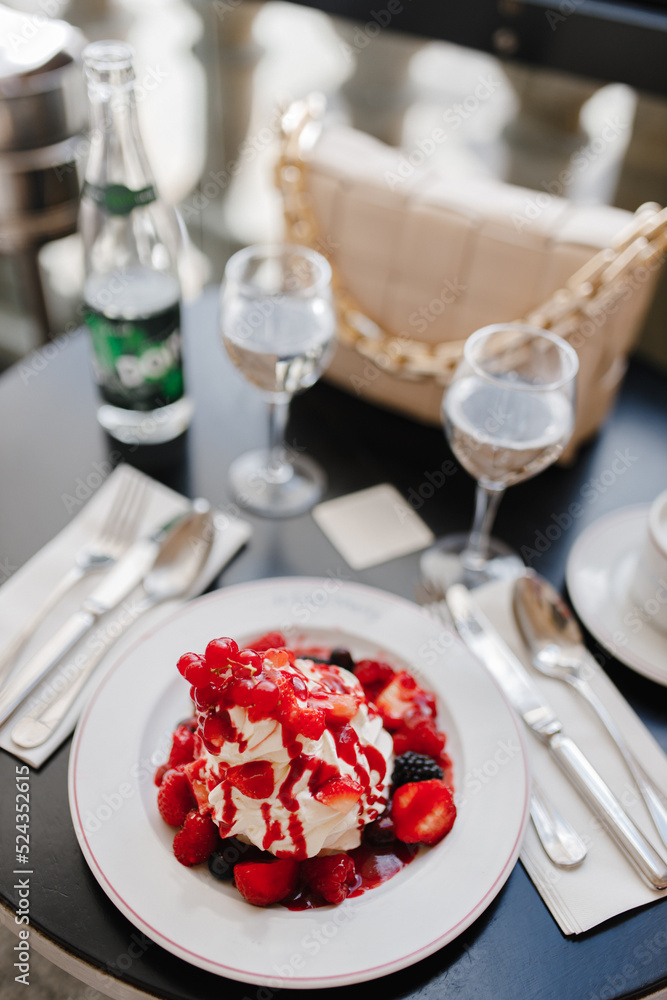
(605, 884)
(29, 586)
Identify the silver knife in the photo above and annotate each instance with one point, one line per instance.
(480, 636)
(119, 581)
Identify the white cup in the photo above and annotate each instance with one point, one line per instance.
(649, 583)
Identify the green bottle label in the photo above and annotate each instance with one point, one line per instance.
(116, 199)
(137, 362)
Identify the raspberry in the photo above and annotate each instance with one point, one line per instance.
(266, 882)
(182, 746)
(332, 876)
(175, 798)
(423, 812)
(196, 839)
(412, 766)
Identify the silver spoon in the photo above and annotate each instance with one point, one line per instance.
(561, 842)
(557, 648)
(177, 566)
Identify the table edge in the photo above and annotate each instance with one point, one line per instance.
(85, 972)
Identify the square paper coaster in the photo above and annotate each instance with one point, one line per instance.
(372, 526)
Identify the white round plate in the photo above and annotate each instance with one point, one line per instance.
(207, 923)
(599, 571)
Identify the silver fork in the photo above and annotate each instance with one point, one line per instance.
(108, 544)
(561, 842)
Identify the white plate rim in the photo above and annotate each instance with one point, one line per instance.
(588, 542)
(98, 866)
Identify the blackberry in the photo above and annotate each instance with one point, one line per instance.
(221, 862)
(342, 658)
(412, 766)
(219, 868)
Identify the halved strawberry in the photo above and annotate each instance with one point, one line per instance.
(175, 798)
(332, 876)
(272, 640)
(217, 729)
(373, 675)
(423, 812)
(336, 707)
(182, 746)
(419, 734)
(297, 718)
(340, 794)
(196, 839)
(254, 779)
(401, 695)
(266, 882)
(196, 775)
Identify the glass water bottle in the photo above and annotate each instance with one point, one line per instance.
(132, 292)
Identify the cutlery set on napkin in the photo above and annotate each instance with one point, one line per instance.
(602, 768)
(134, 552)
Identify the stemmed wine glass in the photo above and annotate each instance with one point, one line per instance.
(278, 324)
(508, 413)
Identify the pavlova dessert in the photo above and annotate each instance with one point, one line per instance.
(302, 778)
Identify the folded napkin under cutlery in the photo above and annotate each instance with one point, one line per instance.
(30, 585)
(606, 884)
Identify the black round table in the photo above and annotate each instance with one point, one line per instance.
(49, 440)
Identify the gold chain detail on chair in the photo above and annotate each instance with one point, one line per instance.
(589, 294)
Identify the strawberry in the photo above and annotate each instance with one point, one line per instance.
(402, 695)
(272, 640)
(423, 812)
(255, 779)
(340, 794)
(298, 719)
(216, 730)
(332, 876)
(419, 734)
(195, 773)
(196, 839)
(175, 798)
(373, 675)
(336, 707)
(182, 746)
(266, 882)
(160, 773)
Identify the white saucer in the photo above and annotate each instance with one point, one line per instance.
(599, 571)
